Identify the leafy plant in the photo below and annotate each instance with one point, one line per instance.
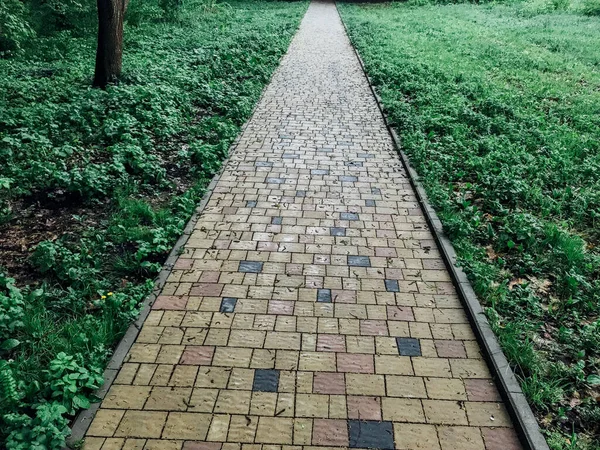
(70, 382)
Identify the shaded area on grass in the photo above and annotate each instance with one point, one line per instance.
(498, 108)
(96, 186)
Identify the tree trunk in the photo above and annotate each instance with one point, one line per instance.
(110, 41)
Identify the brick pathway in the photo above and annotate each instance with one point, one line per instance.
(310, 307)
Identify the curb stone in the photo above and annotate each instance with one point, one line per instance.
(520, 412)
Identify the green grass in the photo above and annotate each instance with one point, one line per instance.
(96, 186)
(498, 108)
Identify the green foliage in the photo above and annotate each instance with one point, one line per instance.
(11, 308)
(46, 430)
(14, 28)
(591, 7)
(498, 112)
(70, 382)
(121, 172)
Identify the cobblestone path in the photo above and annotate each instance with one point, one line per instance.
(310, 307)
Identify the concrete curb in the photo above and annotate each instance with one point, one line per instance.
(84, 418)
(525, 422)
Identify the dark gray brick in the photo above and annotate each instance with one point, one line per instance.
(338, 231)
(371, 434)
(324, 296)
(266, 380)
(408, 346)
(359, 261)
(348, 216)
(228, 304)
(392, 286)
(251, 266)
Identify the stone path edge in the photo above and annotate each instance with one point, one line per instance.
(83, 419)
(525, 422)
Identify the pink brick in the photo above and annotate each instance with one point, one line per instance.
(206, 289)
(170, 302)
(209, 277)
(184, 263)
(500, 439)
(450, 349)
(373, 328)
(385, 252)
(364, 408)
(191, 445)
(281, 307)
(341, 296)
(330, 432)
(197, 355)
(355, 363)
(481, 390)
(329, 383)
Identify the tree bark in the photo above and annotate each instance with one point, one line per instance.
(109, 53)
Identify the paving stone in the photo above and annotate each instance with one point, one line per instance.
(319, 172)
(228, 305)
(324, 296)
(348, 178)
(348, 216)
(337, 231)
(266, 380)
(370, 203)
(300, 193)
(250, 204)
(408, 346)
(359, 261)
(364, 408)
(250, 266)
(330, 432)
(329, 383)
(392, 286)
(276, 220)
(371, 434)
(501, 439)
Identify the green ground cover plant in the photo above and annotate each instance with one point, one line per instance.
(498, 108)
(96, 185)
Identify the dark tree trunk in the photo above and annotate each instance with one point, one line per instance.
(110, 41)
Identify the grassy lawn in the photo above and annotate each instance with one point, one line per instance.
(96, 186)
(498, 107)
